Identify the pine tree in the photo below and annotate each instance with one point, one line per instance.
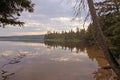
(10, 10)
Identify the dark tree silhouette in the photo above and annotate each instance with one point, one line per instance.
(10, 10)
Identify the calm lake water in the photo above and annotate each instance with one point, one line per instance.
(37, 61)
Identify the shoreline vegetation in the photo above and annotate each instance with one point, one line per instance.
(78, 36)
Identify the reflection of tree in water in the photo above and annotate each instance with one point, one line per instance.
(6, 74)
(104, 71)
(104, 74)
(67, 45)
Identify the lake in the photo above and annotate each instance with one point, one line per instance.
(39, 61)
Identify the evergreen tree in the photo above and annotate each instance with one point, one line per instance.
(10, 10)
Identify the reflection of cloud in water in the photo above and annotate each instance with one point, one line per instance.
(12, 53)
(67, 59)
(70, 56)
(62, 59)
(24, 52)
(5, 73)
(27, 44)
(7, 53)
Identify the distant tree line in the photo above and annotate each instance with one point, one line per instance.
(78, 36)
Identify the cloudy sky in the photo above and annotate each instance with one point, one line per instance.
(49, 15)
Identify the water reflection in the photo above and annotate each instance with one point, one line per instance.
(55, 61)
(104, 72)
(5, 74)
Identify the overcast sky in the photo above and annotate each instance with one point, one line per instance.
(49, 15)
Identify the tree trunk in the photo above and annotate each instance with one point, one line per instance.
(101, 39)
